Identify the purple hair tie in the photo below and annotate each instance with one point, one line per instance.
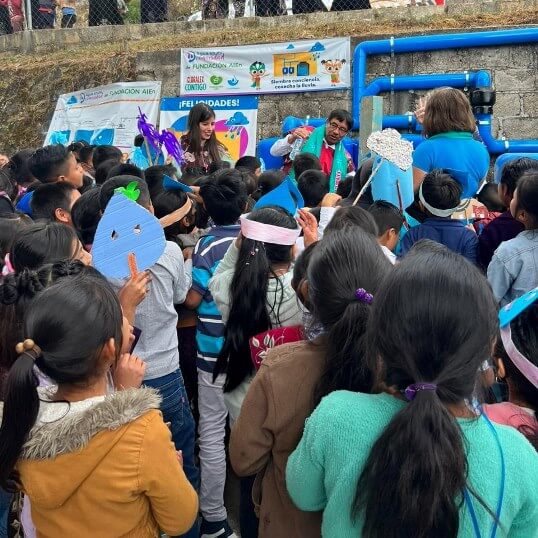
(411, 391)
(363, 296)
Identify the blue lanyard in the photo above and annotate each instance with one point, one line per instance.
(468, 499)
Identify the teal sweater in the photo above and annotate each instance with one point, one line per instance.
(323, 471)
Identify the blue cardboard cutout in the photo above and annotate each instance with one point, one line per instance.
(392, 184)
(511, 311)
(126, 228)
(286, 195)
(170, 184)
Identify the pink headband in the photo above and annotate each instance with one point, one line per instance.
(524, 365)
(267, 233)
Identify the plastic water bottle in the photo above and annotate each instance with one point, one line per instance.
(298, 144)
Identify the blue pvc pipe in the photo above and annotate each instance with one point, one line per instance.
(422, 82)
(441, 42)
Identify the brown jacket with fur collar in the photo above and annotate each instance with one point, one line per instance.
(110, 470)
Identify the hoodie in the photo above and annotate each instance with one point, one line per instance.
(105, 467)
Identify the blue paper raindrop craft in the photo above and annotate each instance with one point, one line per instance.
(126, 228)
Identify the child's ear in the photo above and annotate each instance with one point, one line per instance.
(61, 215)
(108, 354)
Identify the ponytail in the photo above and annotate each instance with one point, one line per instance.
(21, 405)
(68, 353)
(249, 312)
(414, 479)
(350, 261)
(410, 482)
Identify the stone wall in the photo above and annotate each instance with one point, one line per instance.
(514, 71)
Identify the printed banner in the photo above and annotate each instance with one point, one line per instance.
(236, 120)
(301, 66)
(104, 115)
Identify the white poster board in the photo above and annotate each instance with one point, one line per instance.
(104, 115)
(299, 66)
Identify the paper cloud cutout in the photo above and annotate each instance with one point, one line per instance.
(237, 119)
(126, 228)
(318, 47)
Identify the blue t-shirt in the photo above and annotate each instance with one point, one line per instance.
(206, 257)
(455, 151)
(449, 232)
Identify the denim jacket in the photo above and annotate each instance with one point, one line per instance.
(514, 267)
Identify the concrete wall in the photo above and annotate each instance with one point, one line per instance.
(514, 70)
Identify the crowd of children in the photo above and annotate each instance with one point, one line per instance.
(367, 370)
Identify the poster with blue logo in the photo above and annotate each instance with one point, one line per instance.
(299, 66)
(235, 120)
(104, 115)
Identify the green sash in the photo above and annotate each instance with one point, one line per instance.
(314, 144)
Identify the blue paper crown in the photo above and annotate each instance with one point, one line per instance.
(286, 195)
(170, 184)
(511, 311)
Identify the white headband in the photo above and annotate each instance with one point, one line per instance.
(267, 233)
(440, 212)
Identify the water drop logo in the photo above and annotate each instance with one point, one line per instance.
(72, 100)
(191, 56)
(233, 82)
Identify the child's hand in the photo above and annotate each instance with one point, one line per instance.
(309, 225)
(129, 372)
(135, 289)
(187, 253)
(330, 199)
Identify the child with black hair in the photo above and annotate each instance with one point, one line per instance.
(253, 292)
(304, 162)
(267, 182)
(504, 227)
(105, 153)
(86, 214)
(224, 196)
(414, 459)
(53, 202)
(125, 169)
(157, 319)
(250, 163)
(271, 422)
(102, 171)
(177, 214)
(8, 192)
(345, 186)
(52, 164)
(191, 174)
(154, 176)
(351, 216)
(440, 196)
(10, 224)
(45, 242)
(516, 355)
(215, 166)
(64, 444)
(389, 220)
(513, 268)
(313, 186)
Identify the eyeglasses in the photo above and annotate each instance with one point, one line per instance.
(339, 128)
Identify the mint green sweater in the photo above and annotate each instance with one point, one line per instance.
(323, 471)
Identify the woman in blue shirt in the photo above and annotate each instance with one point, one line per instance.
(449, 125)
